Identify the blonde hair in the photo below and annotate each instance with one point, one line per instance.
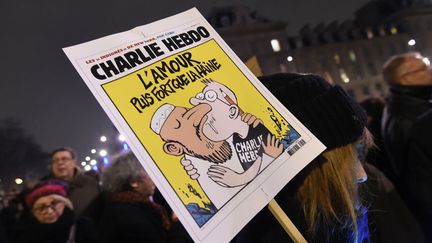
(329, 191)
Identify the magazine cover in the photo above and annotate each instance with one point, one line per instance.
(217, 144)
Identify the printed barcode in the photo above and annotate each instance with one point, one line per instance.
(296, 147)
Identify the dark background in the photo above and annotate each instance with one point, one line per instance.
(44, 95)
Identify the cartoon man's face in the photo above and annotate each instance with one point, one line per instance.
(222, 112)
(183, 134)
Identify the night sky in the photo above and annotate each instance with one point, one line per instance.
(40, 87)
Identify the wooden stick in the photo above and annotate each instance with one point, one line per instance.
(285, 222)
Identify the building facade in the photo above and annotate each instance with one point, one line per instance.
(350, 54)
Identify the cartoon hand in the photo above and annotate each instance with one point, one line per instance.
(272, 147)
(227, 177)
(224, 176)
(250, 119)
(189, 168)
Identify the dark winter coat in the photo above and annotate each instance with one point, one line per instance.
(66, 229)
(404, 105)
(407, 131)
(389, 218)
(132, 219)
(417, 173)
(83, 191)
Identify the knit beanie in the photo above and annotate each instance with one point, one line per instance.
(327, 111)
(45, 188)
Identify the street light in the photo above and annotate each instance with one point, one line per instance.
(411, 42)
(93, 162)
(122, 138)
(18, 181)
(103, 139)
(103, 153)
(290, 58)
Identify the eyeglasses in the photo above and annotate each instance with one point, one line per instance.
(211, 96)
(61, 159)
(42, 209)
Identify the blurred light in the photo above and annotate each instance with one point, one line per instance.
(382, 31)
(122, 138)
(393, 30)
(344, 75)
(337, 58)
(95, 168)
(411, 42)
(426, 61)
(105, 161)
(275, 45)
(290, 58)
(103, 153)
(352, 56)
(83, 163)
(87, 167)
(93, 151)
(369, 34)
(87, 158)
(103, 139)
(18, 181)
(93, 162)
(125, 147)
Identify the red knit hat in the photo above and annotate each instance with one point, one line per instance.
(45, 188)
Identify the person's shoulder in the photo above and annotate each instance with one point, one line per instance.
(83, 179)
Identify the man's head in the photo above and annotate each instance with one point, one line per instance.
(407, 69)
(182, 131)
(63, 163)
(224, 110)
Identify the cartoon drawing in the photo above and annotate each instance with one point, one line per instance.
(251, 141)
(222, 147)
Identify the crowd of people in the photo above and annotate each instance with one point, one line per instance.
(371, 184)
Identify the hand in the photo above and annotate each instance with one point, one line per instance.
(272, 147)
(250, 119)
(224, 176)
(227, 177)
(189, 168)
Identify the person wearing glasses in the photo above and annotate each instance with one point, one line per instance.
(51, 219)
(410, 98)
(83, 189)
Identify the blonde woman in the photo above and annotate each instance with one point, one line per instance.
(322, 200)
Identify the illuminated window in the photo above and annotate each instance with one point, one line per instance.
(382, 31)
(343, 75)
(369, 33)
(352, 56)
(275, 45)
(328, 77)
(337, 59)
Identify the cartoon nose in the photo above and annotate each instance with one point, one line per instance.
(196, 101)
(197, 113)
